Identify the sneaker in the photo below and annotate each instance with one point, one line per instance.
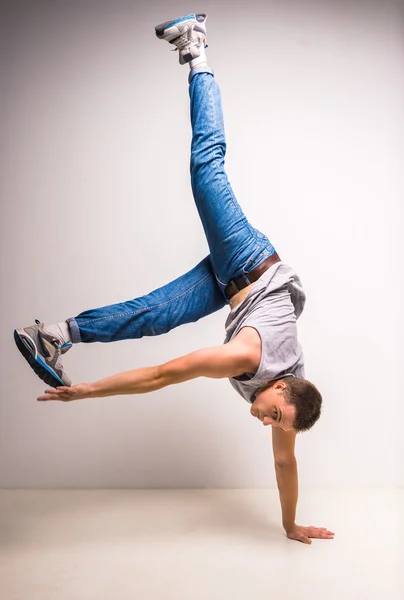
(42, 350)
(188, 34)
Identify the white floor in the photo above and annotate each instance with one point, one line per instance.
(198, 544)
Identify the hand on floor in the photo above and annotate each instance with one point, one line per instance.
(303, 534)
(67, 394)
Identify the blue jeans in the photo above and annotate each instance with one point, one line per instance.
(235, 246)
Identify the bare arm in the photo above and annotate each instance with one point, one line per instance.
(283, 444)
(216, 362)
(227, 360)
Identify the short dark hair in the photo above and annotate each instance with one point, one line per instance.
(307, 400)
(305, 397)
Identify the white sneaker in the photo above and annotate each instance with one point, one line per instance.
(188, 34)
(42, 349)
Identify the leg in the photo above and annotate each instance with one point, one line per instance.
(235, 246)
(184, 300)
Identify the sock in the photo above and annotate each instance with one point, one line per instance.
(61, 330)
(201, 58)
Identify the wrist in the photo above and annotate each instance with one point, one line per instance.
(91, 392)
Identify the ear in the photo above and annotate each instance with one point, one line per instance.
(280, 385)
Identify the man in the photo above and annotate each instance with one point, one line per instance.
(261, 355)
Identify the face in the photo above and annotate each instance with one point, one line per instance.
(271, 408)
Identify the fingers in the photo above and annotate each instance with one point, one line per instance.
(59, 393)
(67, 393)
(303, 534)
(300, 537)
(320, 533)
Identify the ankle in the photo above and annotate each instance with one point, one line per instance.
(61, 331)
(201, 59)
(194, 63)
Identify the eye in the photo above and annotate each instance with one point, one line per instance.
(275, 413)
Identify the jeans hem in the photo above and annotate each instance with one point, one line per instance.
(74, 330)
(196, 70)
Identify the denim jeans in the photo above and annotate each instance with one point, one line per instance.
(235, 246)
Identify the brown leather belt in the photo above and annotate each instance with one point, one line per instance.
(235, 285)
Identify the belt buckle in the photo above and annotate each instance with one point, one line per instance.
(231, 289)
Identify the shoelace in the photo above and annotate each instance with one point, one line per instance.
(52, 338)
(182, 41)
(185, 40)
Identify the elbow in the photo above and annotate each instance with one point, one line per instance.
(160, 378)
(285, 462)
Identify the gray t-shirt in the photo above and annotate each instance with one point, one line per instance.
(272, 307)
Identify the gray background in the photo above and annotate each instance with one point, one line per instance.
(96, 208)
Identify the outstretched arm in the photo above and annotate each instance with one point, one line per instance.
(283, 444)
(227, 360)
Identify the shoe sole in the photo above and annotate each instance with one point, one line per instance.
(37, 364)
(162, 28)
